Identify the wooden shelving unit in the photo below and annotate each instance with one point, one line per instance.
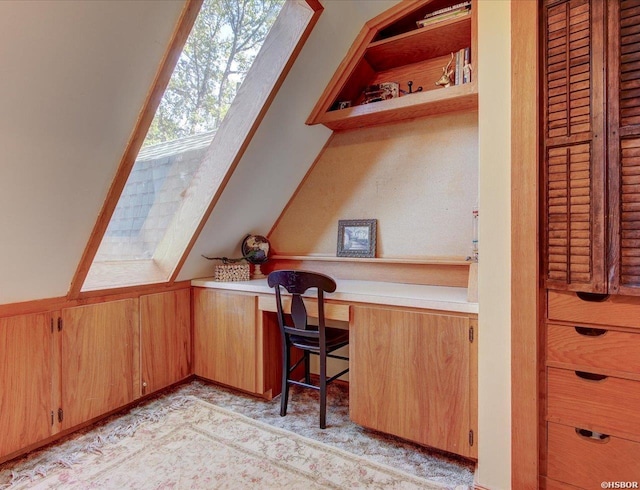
(391, 48)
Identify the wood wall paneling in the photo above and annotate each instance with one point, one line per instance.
(99, 363)
(165, 330)
(26, 377)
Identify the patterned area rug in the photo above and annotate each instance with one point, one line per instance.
(193, 444)
(91, 444)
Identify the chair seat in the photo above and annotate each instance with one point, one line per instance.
(336, 338)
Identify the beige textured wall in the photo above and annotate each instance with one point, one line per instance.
(418, 179)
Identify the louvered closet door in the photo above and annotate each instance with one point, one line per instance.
(624, 145)
(574, 164)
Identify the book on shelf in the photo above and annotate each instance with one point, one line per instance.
(462, 66)
(454, 14)
(447, 13)
(466, 66)
(458, 6)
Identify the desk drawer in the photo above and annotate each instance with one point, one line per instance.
(592, 347)
(586, 462)
(623, 311)
(609, 405)
(331, 311)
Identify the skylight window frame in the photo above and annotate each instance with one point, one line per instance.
(167, 261)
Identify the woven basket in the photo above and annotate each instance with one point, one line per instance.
(231, 272)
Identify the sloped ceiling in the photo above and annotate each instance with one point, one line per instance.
(74, 75)
(284, 148)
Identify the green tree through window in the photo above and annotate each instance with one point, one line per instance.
(222, 45)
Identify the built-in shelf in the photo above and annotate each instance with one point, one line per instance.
(378, 260)
(427, 103)
(439, 271)
(391, 48)
(420, 44)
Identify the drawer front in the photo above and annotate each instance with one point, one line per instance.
(597, 348)
(610, 405)
(622, 311)
(332, 311)
(586, 462)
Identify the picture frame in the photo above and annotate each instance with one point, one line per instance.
(357, 238)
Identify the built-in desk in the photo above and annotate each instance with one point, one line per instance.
(412, 350)
(440, 298)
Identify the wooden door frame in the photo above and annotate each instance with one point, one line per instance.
(525, 291)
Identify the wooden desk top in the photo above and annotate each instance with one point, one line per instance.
(442, 298)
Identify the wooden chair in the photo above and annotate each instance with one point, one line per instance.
(310, 339)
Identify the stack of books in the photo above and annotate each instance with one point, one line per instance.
(447, 13)
(463, 66)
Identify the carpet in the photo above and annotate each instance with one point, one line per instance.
(197, 445)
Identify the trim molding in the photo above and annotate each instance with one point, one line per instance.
(525, 294)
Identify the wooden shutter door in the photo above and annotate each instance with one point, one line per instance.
(573, 194)
(624, 146)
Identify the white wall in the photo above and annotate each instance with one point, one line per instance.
(74, 77)
(494, 270)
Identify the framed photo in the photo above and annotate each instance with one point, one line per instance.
(357, 238)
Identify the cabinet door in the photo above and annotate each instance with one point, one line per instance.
(410, 376)
(574, 156)
(26, 349)
(100, 362)
(624, 146)
(225, 340)
(165, 339)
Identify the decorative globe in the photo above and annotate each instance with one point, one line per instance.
(255, 249)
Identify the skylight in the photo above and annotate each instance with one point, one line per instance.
(234, 58)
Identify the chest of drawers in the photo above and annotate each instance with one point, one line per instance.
(593, 390)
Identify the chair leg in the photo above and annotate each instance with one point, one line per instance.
(284, 396)
(323, 388)
(307, 367)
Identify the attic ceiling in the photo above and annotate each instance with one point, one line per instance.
(74, 77)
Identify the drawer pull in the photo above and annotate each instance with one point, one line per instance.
(590, 376)
(590, 332)
(592, 436)
(592, 297)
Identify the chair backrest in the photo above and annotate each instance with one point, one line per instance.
(297, 282)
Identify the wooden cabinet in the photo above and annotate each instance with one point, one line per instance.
(413, 375)
(591, 239)
(391, 48)
(165, 338)
(100, 363)
(235, 342)
(592, 389)
(591, 155)
(225, 338)
(63, 368)
(26, 377)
